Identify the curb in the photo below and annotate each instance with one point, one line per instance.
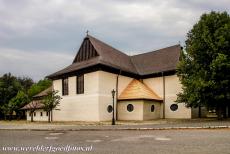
(118, 129)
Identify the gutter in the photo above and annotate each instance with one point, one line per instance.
(117, 81)
(163, 77)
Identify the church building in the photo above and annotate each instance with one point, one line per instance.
(145, 85)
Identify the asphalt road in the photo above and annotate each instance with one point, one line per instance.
(117, 142)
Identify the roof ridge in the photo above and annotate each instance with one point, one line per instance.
(89, 36)
(156, 50)
(115, 50)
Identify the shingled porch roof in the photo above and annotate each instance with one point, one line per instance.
(137, 90)
(162, 60)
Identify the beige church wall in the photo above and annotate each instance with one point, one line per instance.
(104, 102)
(91, 83)
(172, 87)
(57, 85)
(38, 116)
(136, 114)
(107, 82)
(78, 107)
(72, 85)
(156, 84)
(147, 114)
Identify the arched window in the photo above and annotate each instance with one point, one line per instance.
(152, 108)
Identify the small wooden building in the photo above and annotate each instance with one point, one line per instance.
(36, 105)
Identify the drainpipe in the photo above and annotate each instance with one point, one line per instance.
(117, 92)
(163, 77)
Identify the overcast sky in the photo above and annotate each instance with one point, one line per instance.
(39, 37)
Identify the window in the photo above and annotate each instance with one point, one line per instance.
(152, 108)
(130, 107)
(41, 114)
(30, 114)
(174, 107)
(80, 84)
(47, 114)
(34, 114)
(65, 88)
(110, 108)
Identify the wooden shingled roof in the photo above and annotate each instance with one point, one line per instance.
(44, 92)
(94, 52)
(36, 103)
(137, 90)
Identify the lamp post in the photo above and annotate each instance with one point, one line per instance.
(113, 94)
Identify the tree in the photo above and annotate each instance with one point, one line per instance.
(204, 64)
(26, 83)
(38, 87)
(51, 101)
(16, 103)
(9, 87)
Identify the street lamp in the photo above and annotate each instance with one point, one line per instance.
(113, 94)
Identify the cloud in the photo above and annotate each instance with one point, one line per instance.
(132, 26)
(32, 64)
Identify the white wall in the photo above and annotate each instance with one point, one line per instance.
(107, 82)
(92, 105)
(38, 116)
(172, 87)
(141, 111)
(136, 114)
(78, 107)
(147, 114)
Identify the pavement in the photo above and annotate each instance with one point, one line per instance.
(198, 141)
(161, 124)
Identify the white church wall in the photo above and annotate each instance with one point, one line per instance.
(78, 107)
(107, 82)
(147, 114)
(172, 87)
(136, 114)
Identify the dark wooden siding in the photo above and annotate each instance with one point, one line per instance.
(85, 52)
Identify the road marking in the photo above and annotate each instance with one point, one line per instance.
(162, 139)
(94, 141)
(133, 138)
(51, 138)
(55, 133)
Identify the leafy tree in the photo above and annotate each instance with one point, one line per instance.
(38, 87)
(26, 83)
(16, 103)
(204, 67)
(51, 101)
(9, 87)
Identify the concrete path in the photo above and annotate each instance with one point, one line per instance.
(121, 125)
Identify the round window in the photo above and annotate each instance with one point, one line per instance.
(152, 108)
(110, 108)
(174, 107)
(130, 107)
